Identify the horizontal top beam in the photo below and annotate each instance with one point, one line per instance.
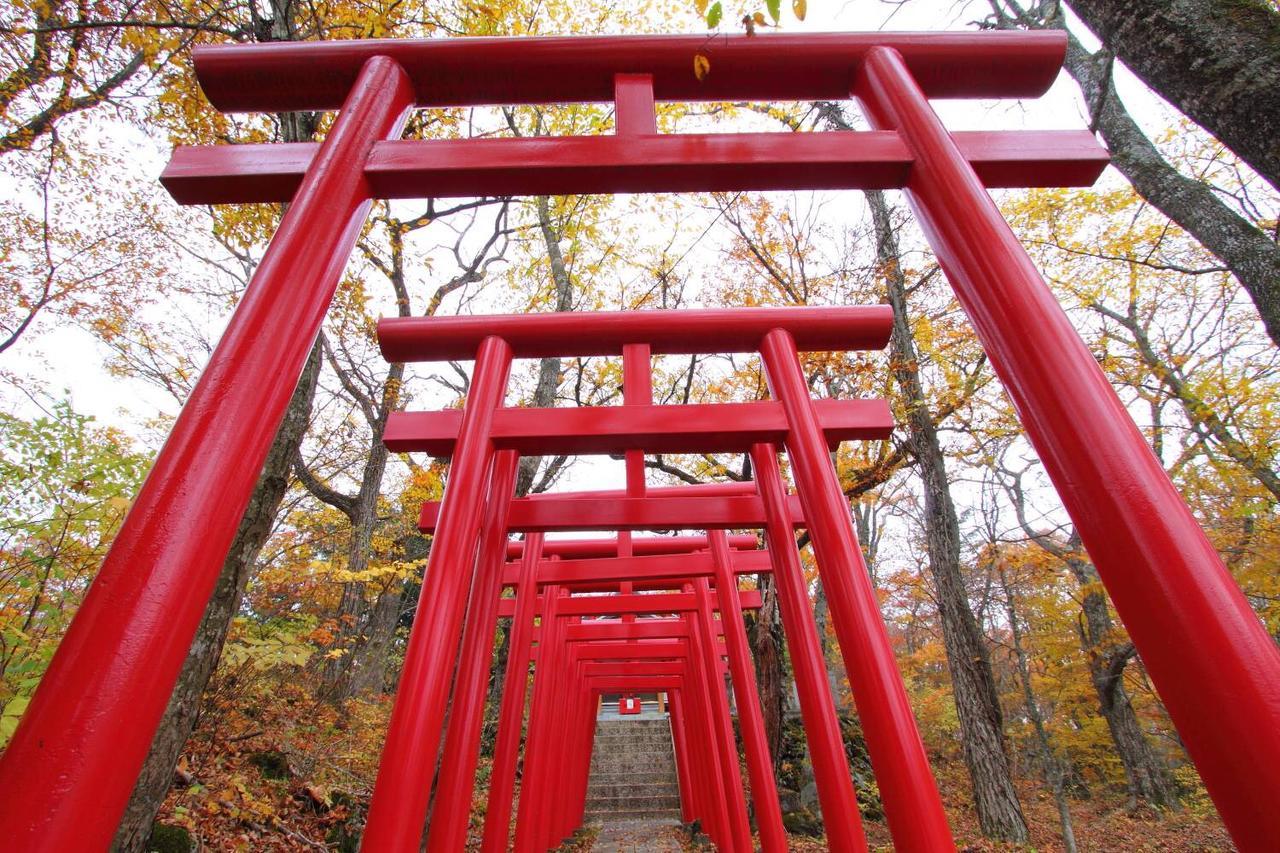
(601, 430)
(630, 651)
(646, 570)
(730, 512)
(668, 332)
(701, 162)
(641, 629)
(776, 67)
(640, 545)
(626, 603)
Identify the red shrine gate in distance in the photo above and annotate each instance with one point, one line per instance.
(71, 765)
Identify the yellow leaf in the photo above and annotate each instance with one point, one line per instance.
(701, 6)
(799, 7)
(701, 66)
(758, 17)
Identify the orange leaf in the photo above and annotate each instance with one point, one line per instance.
(701, 66)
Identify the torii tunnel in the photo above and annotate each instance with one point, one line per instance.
(636, 613)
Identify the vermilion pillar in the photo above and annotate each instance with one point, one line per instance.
(911, 802)
(764, 789)
(1187, 617)
(530, 826)
(737, 831)
(817, 708)
(506, 749)
(680, 747)
(71, 766)
(398, 810)
(451, 813)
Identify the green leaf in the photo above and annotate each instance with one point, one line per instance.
(714, 14)
(775, 9)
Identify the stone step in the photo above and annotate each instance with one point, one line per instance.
(615, 805)
(612, 739)
(626, 792)
(638, 776)
(634, 764)
(610, 817)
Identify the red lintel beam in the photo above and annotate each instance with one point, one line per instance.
(599, 430)
(642, 569)
(635, 683)
(596, 669)
(668, 332)
(613, 630)
(640, 545)
(631, 651)
(701, 162)
(742, 512)
(575, 69)
(611, 605)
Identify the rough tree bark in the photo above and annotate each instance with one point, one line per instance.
(1252, 255)
(1054, 771)
(764, 629)
(365, 626)
(973, 685)
(1218, 61)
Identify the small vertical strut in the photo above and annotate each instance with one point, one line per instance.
(634, 113)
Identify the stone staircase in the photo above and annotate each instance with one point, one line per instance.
(633, 771)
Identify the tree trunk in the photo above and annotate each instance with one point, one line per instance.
(1252, 255)
(834, 667)
(973, 685)
(1218, 61)
(1146, 773)
(365, 628)
(184, 705)
(1054, 771)
(765, 632)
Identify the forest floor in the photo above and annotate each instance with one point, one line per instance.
(283, 772)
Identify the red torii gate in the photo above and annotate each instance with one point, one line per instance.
(914, 807)
(69, 769)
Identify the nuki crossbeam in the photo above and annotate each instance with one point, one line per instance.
(68, 771)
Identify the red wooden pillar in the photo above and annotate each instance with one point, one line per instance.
(586, 734)
(400, 796)
(817, 708)
(707, 755)
(497, 820)
(451, 813)
(910, 797)
(530, 827)
(764, 789)
(1186, 615)
(680, 748)
(73, 760)
(738, 830)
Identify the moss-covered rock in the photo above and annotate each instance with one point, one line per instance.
(802, 822)
(166, 838)
(272, 764)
